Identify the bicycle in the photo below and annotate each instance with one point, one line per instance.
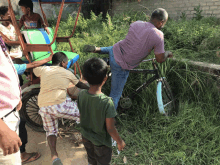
(165, 99)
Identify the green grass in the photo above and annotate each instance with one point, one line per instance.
(191, 135)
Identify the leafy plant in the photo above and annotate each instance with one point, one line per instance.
(183, 16)
(198, 13)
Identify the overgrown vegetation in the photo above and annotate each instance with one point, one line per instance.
(191, 135)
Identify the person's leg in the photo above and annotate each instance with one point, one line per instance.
(118, 78)
(68, 110)
(103, 155)
(90, 151)
(22, 135)
(50, 123)
(26, 157)
(21, 80)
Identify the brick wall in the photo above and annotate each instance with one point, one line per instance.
(173, 7)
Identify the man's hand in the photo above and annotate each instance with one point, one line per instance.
(168, 54)
(121, 146)
(19, 105)
(10, 142)
(47, 30)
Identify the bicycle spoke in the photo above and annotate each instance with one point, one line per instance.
(32, 105)
(39, 120)
(167, 104)
(34, 102)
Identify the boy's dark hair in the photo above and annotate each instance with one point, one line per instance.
(58, 58)
(160, 14)
(3, 10)
(26, 3)
(95, 70)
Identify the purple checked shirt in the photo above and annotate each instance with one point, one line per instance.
(141, 39)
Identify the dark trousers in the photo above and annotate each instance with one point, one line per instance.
(22, 129)
(22, 135)
(97, 155)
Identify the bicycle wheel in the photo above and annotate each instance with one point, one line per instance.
(29, 110)
(165, 99)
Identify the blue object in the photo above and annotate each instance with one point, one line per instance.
(159, 98)
(57, 0)
(20, 68)
(71, 62)
(45, 35)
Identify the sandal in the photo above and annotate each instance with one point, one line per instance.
(34, 155)
(89, 48)
(57, 161)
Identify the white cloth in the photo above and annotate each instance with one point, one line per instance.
(12, 121)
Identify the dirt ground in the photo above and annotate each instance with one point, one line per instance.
(68, 152)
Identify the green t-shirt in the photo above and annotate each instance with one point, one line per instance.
(94, 109)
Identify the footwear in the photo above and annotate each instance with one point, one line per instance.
(34, 156)
(57, 161)
(89, 48)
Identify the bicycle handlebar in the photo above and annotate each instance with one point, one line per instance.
(149, 60)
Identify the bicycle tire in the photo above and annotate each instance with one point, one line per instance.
(165, 99)
(29, 105)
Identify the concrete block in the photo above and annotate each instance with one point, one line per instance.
(213, 7)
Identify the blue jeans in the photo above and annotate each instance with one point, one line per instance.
(119, 76)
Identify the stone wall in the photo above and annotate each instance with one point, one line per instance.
(175, 8)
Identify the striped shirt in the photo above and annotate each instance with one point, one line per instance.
(141, 39)
(10, 93)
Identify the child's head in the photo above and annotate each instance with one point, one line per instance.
(95, 71)
(26, 6)
(60, 59)
(4, 14)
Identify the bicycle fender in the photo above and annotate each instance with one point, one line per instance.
(29, 88)
(159, 97)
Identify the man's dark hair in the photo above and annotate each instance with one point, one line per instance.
(58, 58)
(26, 3)
(3, 10)
(95, 70)
(160, 14)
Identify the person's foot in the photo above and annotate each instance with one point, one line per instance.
(89, 48)
(57, 161)
(29, 157)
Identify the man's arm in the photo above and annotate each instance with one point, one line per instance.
(82, 85)
(9, 140)
(38, 63)
(163, 56)
(110, 126)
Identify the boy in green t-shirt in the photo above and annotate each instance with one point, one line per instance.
(97, 114)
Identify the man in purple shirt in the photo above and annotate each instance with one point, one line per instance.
(127, 54)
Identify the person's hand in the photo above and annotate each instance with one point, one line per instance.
(121, 145)
(10, 142)
(49, 58)
(19, 105)
(168, 54)
(47, 30)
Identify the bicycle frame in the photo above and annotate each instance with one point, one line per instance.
(149, 81)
